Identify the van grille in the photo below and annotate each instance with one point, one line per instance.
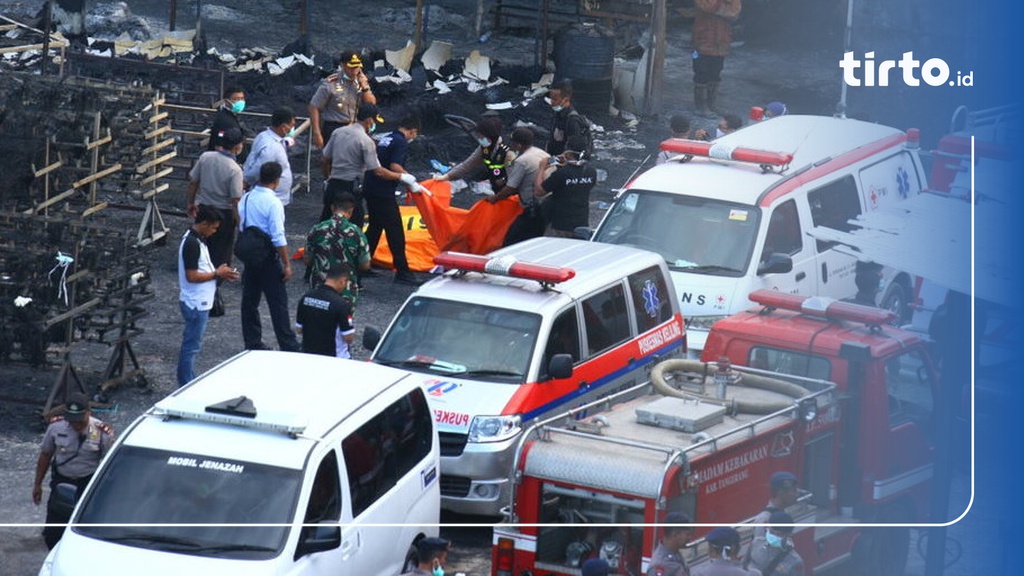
(452, 444)
(456, 486)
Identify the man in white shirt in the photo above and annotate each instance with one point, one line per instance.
(271, 145)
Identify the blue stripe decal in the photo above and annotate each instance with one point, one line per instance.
(643, 361)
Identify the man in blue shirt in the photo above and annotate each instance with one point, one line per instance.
(271, 145)
(381, 204)
(261, 208)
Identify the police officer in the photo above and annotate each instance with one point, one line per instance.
(666, 560)
(431, 555)
(784, 492)
(723, 554)
(595, 567)
(336, 100)
(72, 449)
(773, 554)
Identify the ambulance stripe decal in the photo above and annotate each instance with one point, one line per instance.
(786, 186)
(655, 354)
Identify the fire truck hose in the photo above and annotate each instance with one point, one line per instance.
(736, 405)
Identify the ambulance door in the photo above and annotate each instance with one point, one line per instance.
(834, 206)
(319, 550)
(785, 236)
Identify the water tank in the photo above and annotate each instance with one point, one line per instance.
(585, 54)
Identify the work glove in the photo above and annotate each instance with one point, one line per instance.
(407, 179)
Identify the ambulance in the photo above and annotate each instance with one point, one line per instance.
(731, 216)
(529, 330)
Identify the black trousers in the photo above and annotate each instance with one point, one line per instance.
(57, 513)
(707, 69)
(328, 128)
(336, 187)
(386, 217)
(529, 224)
(266, 280)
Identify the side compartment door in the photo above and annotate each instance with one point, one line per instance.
(785, 236)
(833, 206)
(319, 549)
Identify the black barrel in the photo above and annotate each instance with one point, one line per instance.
(585, 54)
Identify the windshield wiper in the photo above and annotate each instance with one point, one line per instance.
(478, 373)
(436, 365)
(155, 539)
(710, 269)
(235, 548)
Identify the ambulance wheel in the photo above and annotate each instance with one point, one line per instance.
(895, 300)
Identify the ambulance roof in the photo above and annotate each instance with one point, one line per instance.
(810, 139)
(307, 393)
(597, 265)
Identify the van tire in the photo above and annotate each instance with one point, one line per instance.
(895, 300)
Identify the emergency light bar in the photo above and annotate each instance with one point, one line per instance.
(283, 423)
(823, 307)
(504, 266)
(720, 151)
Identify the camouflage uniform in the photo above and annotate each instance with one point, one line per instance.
(335, 240)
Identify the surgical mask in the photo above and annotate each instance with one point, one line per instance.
(483, 142)
(558, 107)
(291, 132)
(773, 540)
(438, 570)
(719, 133)
(372, 129)
(237, 107)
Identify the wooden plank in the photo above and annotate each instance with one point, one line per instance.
(155, 191)
(158, 132)
(59, 197)
(157, 176)
(97, 176)
(94, 209)
(158, 146)
(6, 27)
(71, 313)
(48, 169)
(158, 117)
(98, 143)
(155, 162)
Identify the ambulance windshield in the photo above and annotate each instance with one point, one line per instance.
(198, 494)
(460, 339)
(692, 234)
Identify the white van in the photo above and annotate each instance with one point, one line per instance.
(272, 463)
(525, 332)
(731, 216)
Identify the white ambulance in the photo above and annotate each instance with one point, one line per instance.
(731, 216)
(272, 463)
(527, 331)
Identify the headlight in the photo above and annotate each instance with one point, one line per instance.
(702, 322)
(494, 428)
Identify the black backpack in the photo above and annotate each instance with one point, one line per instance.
(584, 125)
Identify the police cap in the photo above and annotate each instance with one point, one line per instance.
(595, 567)
(782, 480)
(77, 408)
(781, 517)
(723, 536)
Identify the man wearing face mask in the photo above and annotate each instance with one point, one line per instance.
(521, 181)
(492, 154)
(723, 555)
(773, 553)
(431, 556)
(338, 97)
(271, 145)
(227, 117)
(568, 123)
(348, 154)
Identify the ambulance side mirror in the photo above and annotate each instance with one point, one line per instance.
(582, 233)
(371, 337)
(318, 539)
(776, 263)
(560, 367)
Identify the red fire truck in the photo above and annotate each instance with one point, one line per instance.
(829, 391)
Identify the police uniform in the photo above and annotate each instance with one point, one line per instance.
(724, 567)
(337, 97)
(74, 458)
(761, 555)
(667, 562)
(332, 241)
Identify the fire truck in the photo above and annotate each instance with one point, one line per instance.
(825, 389)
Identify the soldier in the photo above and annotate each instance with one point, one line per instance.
(666, 560)
(784, 492)
(773, 554)
(723, 554)
(336, 240)
(431, 555)
(72, 449)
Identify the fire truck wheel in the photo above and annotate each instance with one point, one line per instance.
(883, 551)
